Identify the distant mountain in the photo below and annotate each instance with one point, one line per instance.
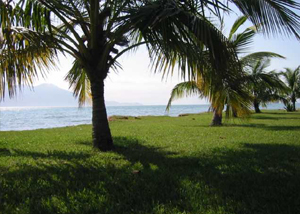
(47, 95)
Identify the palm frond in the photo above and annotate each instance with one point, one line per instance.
(242, 41)
(80, 83)
(276, 16)
(236, 25)
(24, 54)
(183, 89)
(239, 102)
(252, 58)
(175, 37)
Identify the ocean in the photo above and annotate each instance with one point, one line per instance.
(30, 118)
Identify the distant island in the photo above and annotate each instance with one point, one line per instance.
(48, 95)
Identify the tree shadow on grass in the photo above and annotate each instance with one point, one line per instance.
(53, 154)
(281, 113)
(264, 178)
(81, 185)
(265, 127)
(276, 115)
(258, 178)
(261, 178)
(250, 125)
(85, 143)
(261, 117)
(4, 152)
(282, 128)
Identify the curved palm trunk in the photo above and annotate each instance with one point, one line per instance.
(102, 138)
(217, 119)
(256, 106)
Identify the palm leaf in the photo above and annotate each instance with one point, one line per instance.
(170, 40)
(242, 41)
(252, 58)
(276, 16)
(183, 89)
(24, 55)
(236, 25)
(80, 83)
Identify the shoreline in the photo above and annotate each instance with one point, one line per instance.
(113, 118)
(108, 106)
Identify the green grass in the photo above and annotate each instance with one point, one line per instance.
(160, 165)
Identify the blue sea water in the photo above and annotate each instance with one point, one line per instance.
(29, 118)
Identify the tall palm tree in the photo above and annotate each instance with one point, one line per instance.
(264, 85)
(235, 95)
(292, 79)
(96, 33)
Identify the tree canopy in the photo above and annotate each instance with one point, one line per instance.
(292, 80)
(96, 33)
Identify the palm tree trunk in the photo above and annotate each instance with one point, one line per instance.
(102, 138)
(294, 102)
(294, 106)
(256, 106)
(234, 113)
(217, 119)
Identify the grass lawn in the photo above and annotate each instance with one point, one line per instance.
(160, 165)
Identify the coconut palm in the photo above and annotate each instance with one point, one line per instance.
(265, 86)
(96, 33)
(234, 95)
(292, 79)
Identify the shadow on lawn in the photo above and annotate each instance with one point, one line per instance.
(261, 117)
(259, 178)
(276, 116)
(252, 125)
(266, 127)
(61, 155)
(282, 113)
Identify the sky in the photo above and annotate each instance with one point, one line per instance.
(137, 83)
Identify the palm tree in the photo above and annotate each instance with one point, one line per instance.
(96, 33)
(292, 79)
(264, 86)
(235, 95)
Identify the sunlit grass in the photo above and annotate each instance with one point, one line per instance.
(160, 165)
